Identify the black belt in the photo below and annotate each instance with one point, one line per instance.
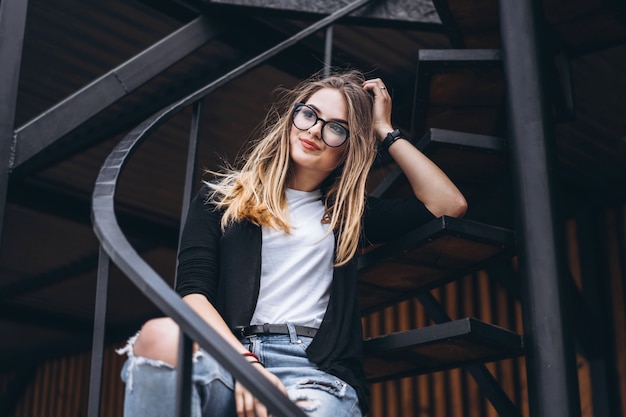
(267, 328)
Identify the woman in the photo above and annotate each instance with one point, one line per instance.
(267, 257)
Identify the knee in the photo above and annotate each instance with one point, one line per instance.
(158, 339)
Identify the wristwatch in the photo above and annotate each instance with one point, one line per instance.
(391, 138)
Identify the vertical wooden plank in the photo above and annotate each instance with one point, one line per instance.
(406, 387)
(403, 316)
(470, 309)
(573, 257)
(479, 401)
(417, 393)
(487, 315)
(62, 392)
(391, 405)
(74, 370)
(423, 386)
(521, 363)
(377, 399)
(506, 374)
(573, 260)
(615, 231)
(40, 402)
(388, 326)
(113, 394)
(584, 383)
(455, 403)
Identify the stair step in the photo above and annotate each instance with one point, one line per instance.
(438, 347)
(436, 138)
(470, 160)
(444, 249)
(460, 89)
(441, 58)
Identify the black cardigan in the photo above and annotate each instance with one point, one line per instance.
(226, 268)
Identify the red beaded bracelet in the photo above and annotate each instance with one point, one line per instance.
(256, 358)
(251, 355)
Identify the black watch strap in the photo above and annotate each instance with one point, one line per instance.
(390, 139)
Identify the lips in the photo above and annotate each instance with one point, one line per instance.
(309, 144)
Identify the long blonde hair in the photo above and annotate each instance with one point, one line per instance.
(256, 191)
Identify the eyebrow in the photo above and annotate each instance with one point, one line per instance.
(317, 110)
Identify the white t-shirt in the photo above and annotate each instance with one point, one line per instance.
(296, 268)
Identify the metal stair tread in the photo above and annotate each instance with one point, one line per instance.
(438, 347)
(431, 255)
(449, 149)
(461, 140)
(441, 58)
(470, 160)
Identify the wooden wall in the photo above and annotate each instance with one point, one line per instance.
(59, 387)
(449, 393)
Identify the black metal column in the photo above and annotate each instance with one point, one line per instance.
(12, 24)
(551, 366)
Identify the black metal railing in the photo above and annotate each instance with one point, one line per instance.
(116, 248)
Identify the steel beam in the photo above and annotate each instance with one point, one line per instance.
(99, 328)
(389, 12)
(551, 364)
(47, 128)
(185, 344)
(12, 24)
(449, 23)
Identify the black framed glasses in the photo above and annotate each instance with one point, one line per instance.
(304, 117)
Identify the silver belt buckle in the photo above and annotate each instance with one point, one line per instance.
(243, 333)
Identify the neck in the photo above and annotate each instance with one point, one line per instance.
(304, 180)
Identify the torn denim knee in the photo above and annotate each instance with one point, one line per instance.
(134, 360)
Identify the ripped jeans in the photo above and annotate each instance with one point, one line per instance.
(151, 384)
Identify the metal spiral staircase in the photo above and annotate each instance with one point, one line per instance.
(441, 251)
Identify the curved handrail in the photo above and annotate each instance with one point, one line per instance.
(144, 277)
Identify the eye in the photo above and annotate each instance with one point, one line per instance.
(308, 113)
(337, 128)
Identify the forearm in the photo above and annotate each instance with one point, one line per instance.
(429, 183)
(208, 313)
(245, 403)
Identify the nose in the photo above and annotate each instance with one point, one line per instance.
(317, 128)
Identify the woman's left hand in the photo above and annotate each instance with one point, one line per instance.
(381, 112)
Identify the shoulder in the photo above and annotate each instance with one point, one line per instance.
(204, 206)
(208, 197)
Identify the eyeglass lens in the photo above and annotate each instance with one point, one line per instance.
(333, 134)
